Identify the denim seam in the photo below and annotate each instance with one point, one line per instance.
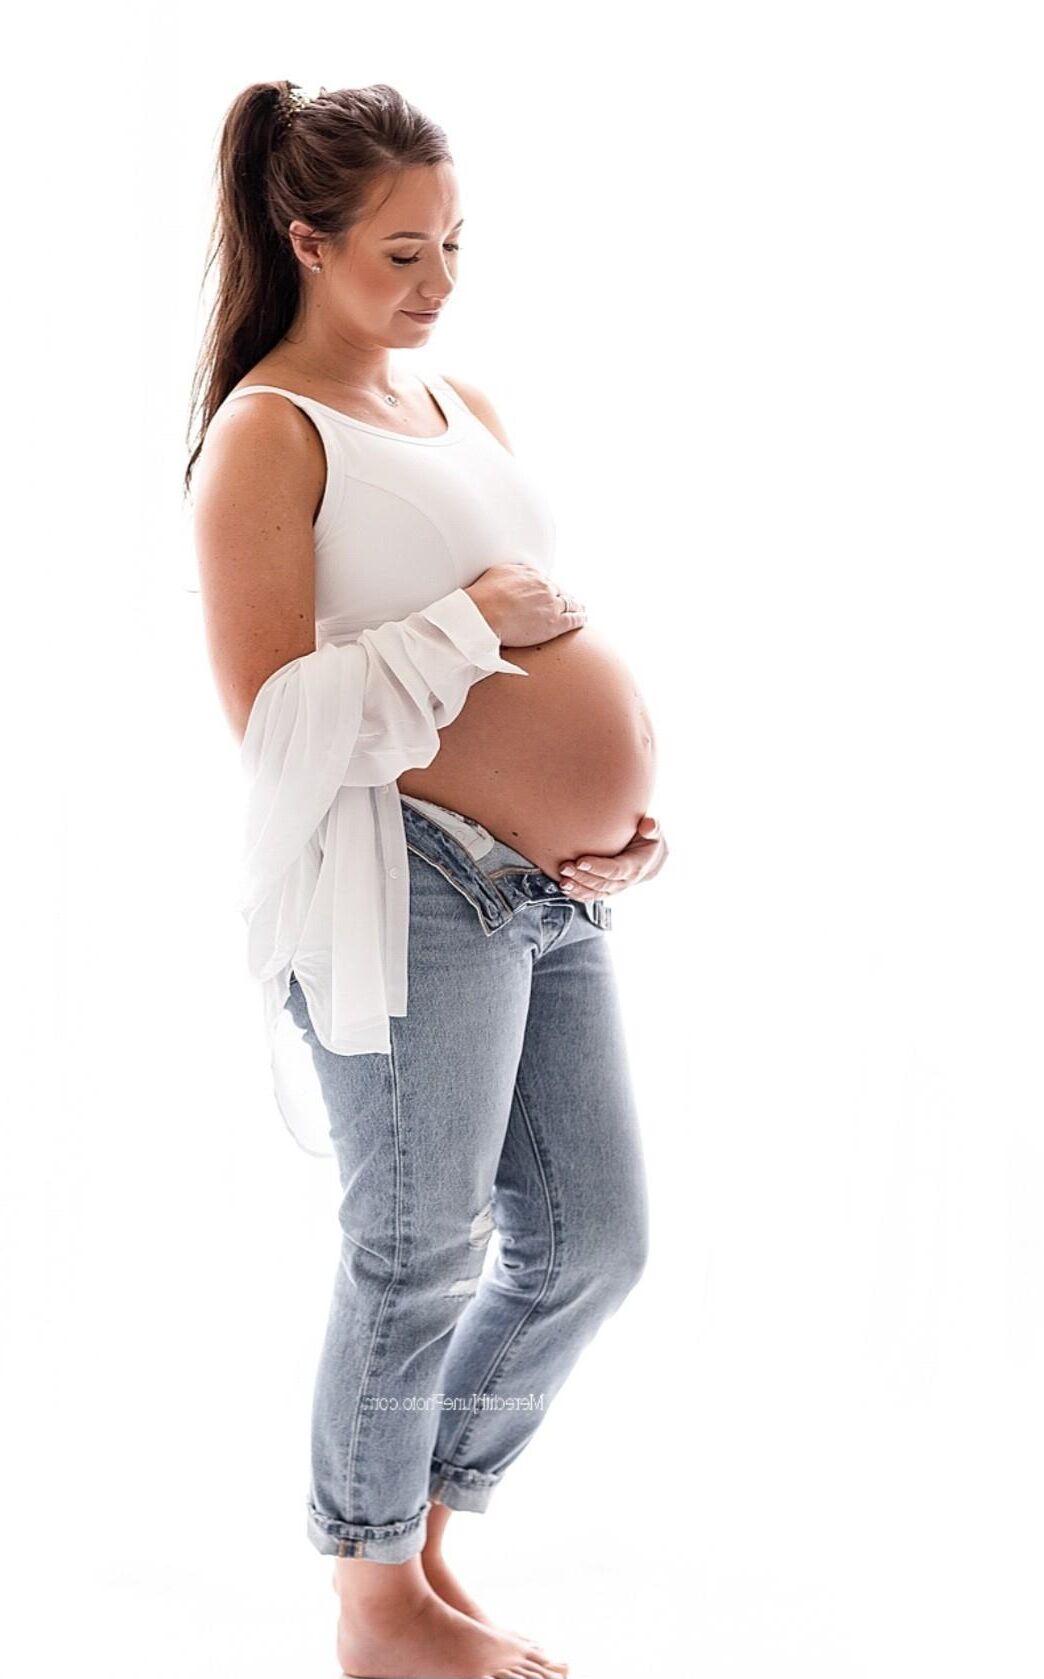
(462, 1477)
(364, 1530)
(392, 1282)
(496, 1362)
(348, 1237)
(478, 908)
(468, 867)
(562, 931)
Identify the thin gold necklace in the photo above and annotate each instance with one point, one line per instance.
(389, 396)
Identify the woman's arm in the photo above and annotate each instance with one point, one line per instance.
(259, 479)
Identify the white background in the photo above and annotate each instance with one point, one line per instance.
(756, 290)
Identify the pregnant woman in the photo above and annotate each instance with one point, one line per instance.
(434, 832)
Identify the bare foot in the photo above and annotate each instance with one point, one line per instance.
(446, 1585)
(390, 1638)
(444, 1582)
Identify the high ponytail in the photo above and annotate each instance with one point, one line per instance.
(281, 158)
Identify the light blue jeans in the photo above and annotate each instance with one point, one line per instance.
(505, 1104)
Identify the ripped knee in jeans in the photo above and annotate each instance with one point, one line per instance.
(482, 1227)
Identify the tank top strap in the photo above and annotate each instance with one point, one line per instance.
(316, 411)
(248, 390)
(443, 389)
(436, 382)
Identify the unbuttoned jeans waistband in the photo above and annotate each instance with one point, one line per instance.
(497, 884)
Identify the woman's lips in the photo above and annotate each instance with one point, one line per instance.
(427, 316)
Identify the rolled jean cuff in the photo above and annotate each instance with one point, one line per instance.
(461, 1489)
(391, 1542)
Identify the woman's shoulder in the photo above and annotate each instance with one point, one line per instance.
(480, 405)
(262, 432)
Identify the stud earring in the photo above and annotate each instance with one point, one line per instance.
(316, 268)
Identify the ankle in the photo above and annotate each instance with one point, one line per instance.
(435, 1527)
(371, 1588)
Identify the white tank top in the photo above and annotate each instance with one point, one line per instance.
(405, 519)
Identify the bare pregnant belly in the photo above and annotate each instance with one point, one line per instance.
(556, 763)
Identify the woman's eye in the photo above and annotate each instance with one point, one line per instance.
(403, 260)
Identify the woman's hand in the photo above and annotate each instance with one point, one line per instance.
(523, 605)
(593, 877)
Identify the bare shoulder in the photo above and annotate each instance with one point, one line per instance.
(481, 407)
(262, 442)
(263, 421)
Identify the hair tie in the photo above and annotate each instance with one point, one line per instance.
(293, 99)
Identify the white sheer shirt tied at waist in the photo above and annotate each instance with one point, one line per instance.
(325, 867)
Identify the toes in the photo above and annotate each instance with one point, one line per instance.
(532, 1668)
(524, 1669)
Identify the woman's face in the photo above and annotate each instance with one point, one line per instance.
(400, 258)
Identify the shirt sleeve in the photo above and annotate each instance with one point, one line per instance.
(354, 714)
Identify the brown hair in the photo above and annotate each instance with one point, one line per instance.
(283, 158)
